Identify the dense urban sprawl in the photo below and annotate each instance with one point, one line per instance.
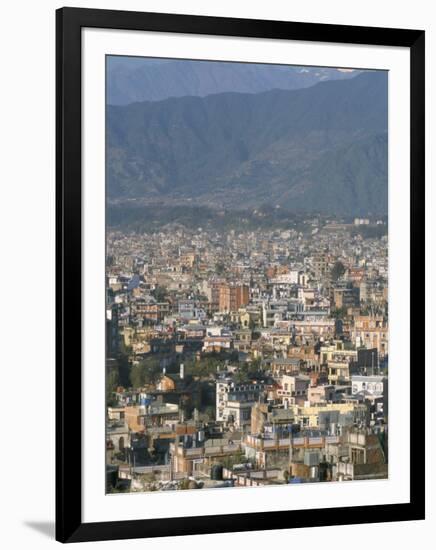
(246, 359)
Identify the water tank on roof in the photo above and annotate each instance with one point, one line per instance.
(296, 480)
(216, 472)
(314, 472)
(311, 458)
(111, 476)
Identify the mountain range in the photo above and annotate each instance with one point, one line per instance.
(321, 148)
(133, 79)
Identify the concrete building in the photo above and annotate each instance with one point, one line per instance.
(368, 384)
(233, 296)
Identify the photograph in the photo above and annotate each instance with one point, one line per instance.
(218, 274)
(246, 275)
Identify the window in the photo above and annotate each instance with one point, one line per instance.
(357, 456)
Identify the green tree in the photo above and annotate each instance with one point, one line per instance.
(246, 371)
(159, 294)
(220, 268)
(337, 271)
(339, 313)
(112, 381)
(204, 367)
(123, 370)
(147, 371)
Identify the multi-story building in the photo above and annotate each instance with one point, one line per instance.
(233, 296)
(227, 390)
(371, 331)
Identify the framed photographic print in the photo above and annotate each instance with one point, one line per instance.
(240, 264)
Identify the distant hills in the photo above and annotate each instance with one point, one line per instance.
(135, 79)
(322, 148)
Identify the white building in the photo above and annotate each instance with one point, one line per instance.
(234, 400)
(370, 384)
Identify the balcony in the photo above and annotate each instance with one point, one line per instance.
(276, 443)
(204, 452)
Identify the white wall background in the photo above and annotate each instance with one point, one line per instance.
(27, 216)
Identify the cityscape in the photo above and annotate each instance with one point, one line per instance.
(247, 337)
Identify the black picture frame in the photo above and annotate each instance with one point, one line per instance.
(69, 22)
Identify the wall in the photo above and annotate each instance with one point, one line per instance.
(27, 235)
